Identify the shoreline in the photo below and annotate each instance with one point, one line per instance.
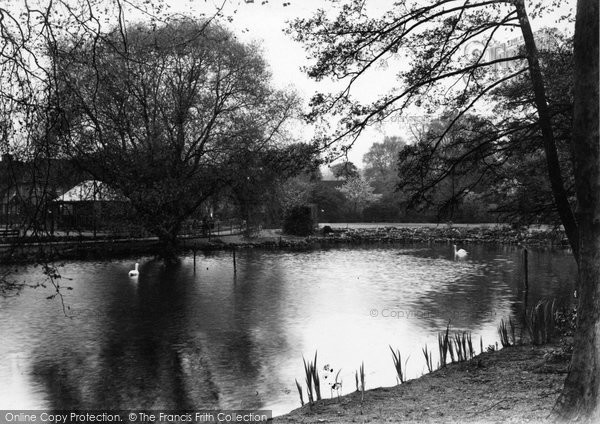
(86, 247)
(513, 385)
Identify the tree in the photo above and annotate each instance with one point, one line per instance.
(381, 164)
(437, 173)
(168, 114)
(501, 157)
(437, 35)
(582, 386)
(359, 193)
(330, 202)
(28, 121)
(382, 157)
(270, 182)
(344, 170)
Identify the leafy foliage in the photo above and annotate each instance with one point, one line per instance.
(359, 193)
(170, 115)
(344, 170)
(298, 221)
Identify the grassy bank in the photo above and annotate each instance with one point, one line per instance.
(105, 247)
(516, 384)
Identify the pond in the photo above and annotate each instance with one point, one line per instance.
(201, 336)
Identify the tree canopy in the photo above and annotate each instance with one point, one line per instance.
(344, 170)
(438, 70)
(166, 114)
(381, 164)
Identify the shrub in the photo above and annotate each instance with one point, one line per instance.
(298, 221)
(381, 212)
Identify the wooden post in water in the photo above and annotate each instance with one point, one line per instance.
(194, 250)
(526, 274)
(526, 289)
(234, 264)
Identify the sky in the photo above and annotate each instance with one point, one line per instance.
(264, 22)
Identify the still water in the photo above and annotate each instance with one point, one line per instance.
(203, 336)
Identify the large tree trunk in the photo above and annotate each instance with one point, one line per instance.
(169, 248)
(168, 238)
(561, 199)
(580, 394)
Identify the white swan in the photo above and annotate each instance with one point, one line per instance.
(460, 253)
(134, 272)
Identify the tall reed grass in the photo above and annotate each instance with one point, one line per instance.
(313, 384)
(428, 359)
(541, 322)
(299, 387)
(444, 346)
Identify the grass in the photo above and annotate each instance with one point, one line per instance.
(400, 373)
(444, 346)
(299, 387)
(313, 384)
(470, 346)
(541, 322)
(451, 350)
(503, 333)
(309, 385)
(464, 346)
(362, 382)
(459, 347)
(428, 359)
(512, 332)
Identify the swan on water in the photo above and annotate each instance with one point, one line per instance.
(134, 272)
(460, 253)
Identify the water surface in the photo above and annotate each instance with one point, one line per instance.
(205, 337)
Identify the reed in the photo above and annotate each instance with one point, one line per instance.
(315, 376)
(470, 346)
(463, 346)
(428, 359)
(503, 333)
(451, 351)
(397, 358)
(313, 384)
(309, 385)
(443, 346)
(458, 347)
(299, 387)
(362, 381)
(512, 331)
(541, 322)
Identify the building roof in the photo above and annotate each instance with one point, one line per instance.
(91, 190)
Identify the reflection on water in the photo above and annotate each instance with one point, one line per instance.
(204, 337)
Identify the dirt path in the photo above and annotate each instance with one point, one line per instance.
(514, 385)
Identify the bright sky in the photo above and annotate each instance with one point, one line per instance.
(264, 21)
